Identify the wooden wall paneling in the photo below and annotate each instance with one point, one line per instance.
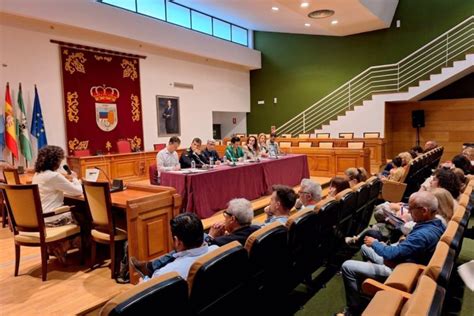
(449, 122)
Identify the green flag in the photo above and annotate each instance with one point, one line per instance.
(25, 143)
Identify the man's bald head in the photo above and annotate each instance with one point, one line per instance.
(423, 206)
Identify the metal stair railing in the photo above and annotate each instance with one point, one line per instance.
(439, 53)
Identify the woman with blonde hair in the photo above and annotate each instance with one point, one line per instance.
(445, 204)
(406, 158)
(262, 145)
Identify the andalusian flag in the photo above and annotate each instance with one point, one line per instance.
(10, 125)
(24, 134)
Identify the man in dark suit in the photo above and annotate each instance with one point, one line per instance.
(191, 154)
(237, 224)
(170, 118)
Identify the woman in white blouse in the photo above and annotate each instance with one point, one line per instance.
(52, 184)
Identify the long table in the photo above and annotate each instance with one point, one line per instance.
(207, 192)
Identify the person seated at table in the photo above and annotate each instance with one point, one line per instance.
(193, 153)
(167, 158)
(210, 153)
(273, 149)
(52, 186)
(338, 184)
(188, 243)
(281, 202)
(355, 175)
(310, 194)
(234, 152)
(262, 145)
(251, 150)
(237, 224)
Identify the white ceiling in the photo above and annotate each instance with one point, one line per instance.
(353, 16)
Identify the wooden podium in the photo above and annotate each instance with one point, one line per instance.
(128, 167)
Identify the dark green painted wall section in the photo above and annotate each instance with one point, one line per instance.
(301, 69)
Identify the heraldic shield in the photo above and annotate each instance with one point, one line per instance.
(105, 108)
(106, 116)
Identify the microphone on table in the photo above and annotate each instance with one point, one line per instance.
(198, 158)
(117, 184)
(67, 169)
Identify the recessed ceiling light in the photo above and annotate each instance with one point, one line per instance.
(304, 4)
(334, 22)
(321, 14)
(275, 8)
(307, 24)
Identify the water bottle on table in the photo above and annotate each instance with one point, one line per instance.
(193, 164)
(211, 161)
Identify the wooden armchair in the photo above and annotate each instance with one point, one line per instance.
(26, 214)
(104, 231)
(11, 176)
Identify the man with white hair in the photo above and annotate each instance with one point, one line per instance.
(237, 224)
(418, 247)
(310, 194)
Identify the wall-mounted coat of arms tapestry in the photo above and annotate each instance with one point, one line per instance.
(102, 100)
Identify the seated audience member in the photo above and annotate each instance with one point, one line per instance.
(193, 153)
(310, 194)
(429, 145)
(397, 172)
(418, 150)
(445, 205)
(272, 145)
(338, 184)
(468, 152)
(281, 202)
(262, 145)
(418, 247)
(167, 158)
(355, 175)
(210, 152)
(406, 158)
(251, 149)
(462, 178)
(237, 224)
(461, 162)
(444, 178)
(188, 243)
(234, 152)
(52, 185)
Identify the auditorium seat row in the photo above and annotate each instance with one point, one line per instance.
(416, 172)
(274, 260)
(413, 289)
(344, 135)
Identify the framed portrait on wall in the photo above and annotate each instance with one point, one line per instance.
(167, 108)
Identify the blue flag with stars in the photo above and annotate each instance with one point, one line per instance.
(37, 124)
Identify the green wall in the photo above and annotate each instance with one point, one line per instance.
(301, 69)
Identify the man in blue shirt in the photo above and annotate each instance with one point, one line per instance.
(418, 247)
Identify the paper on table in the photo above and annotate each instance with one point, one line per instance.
(466, 272)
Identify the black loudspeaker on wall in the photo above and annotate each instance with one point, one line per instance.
(418, 118)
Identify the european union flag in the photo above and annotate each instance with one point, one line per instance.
(2, 134)
(37, 124)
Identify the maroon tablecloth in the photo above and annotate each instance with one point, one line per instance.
(208, 192)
